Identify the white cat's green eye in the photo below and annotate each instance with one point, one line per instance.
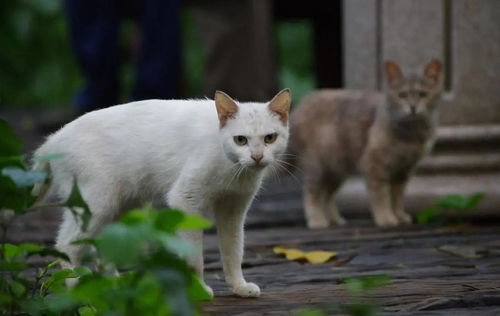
(270, 138)
(240, 140)
(422, 94)
(403, 95)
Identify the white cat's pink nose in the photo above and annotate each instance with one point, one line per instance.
(257, 157)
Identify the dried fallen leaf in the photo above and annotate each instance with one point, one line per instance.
(341, 262)
(314, 257)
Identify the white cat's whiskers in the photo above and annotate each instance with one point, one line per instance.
(279, 164)
(234, 175)
(295, 167)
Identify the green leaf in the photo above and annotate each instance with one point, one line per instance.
(364, 283)
(169, 220)
(11, 161)
(459, 203)
(85, 241)
(136, 217)
(78, 206)
(12, 266)
(10, 144)
(361, 310)
(82, 271)
(86, 311)
(56, 281)
(12, 197)
(17, 288)
(10, 251)
(176, 245)
(47, 251)
(310, 312)
(120, 244)
(23, 178)
(194, 222)
(427, 216)
(196, 291)
(30, 247)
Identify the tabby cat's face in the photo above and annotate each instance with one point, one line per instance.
(415, 96)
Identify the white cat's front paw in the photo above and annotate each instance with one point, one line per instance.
(247, 289)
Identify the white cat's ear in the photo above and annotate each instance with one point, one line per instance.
(432, 70)
(281, 104)
(393, 72)
(226, 107)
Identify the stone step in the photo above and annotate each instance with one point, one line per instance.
(468, 138)
(280, 201)
(460, 162)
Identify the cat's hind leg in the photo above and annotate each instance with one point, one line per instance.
(315, 197)
(184, 198)
(334, 213)
(195, 237)
(104, 210)
(397, 200)
(333, 184)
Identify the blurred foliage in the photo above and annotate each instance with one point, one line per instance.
(454, 203)
(358, 288)
(155, 278)
(295, 56)
(39, 69)
(194, 59)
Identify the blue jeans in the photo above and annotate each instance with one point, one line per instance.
(94, 30)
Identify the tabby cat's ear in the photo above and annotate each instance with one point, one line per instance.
(226, 107)
(432, 71)
(281, 104)
(393, 72)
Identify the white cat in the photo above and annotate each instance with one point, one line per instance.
(195, 155)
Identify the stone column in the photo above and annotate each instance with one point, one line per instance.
(464, 34)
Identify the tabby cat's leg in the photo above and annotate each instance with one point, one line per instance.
(379, 192)
(334, 213)
(397, 195)
(331, 207)
(315, 198)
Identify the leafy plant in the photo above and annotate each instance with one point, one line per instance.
(356, 286)
(155, 278)
(453, 202)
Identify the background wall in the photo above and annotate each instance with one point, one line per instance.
(464, 34)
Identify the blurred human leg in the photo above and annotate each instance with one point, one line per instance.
(158, 64)
(238, 39)
(93, 28)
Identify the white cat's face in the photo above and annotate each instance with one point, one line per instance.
(254, 135)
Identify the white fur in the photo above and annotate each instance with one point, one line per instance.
(169, 153)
